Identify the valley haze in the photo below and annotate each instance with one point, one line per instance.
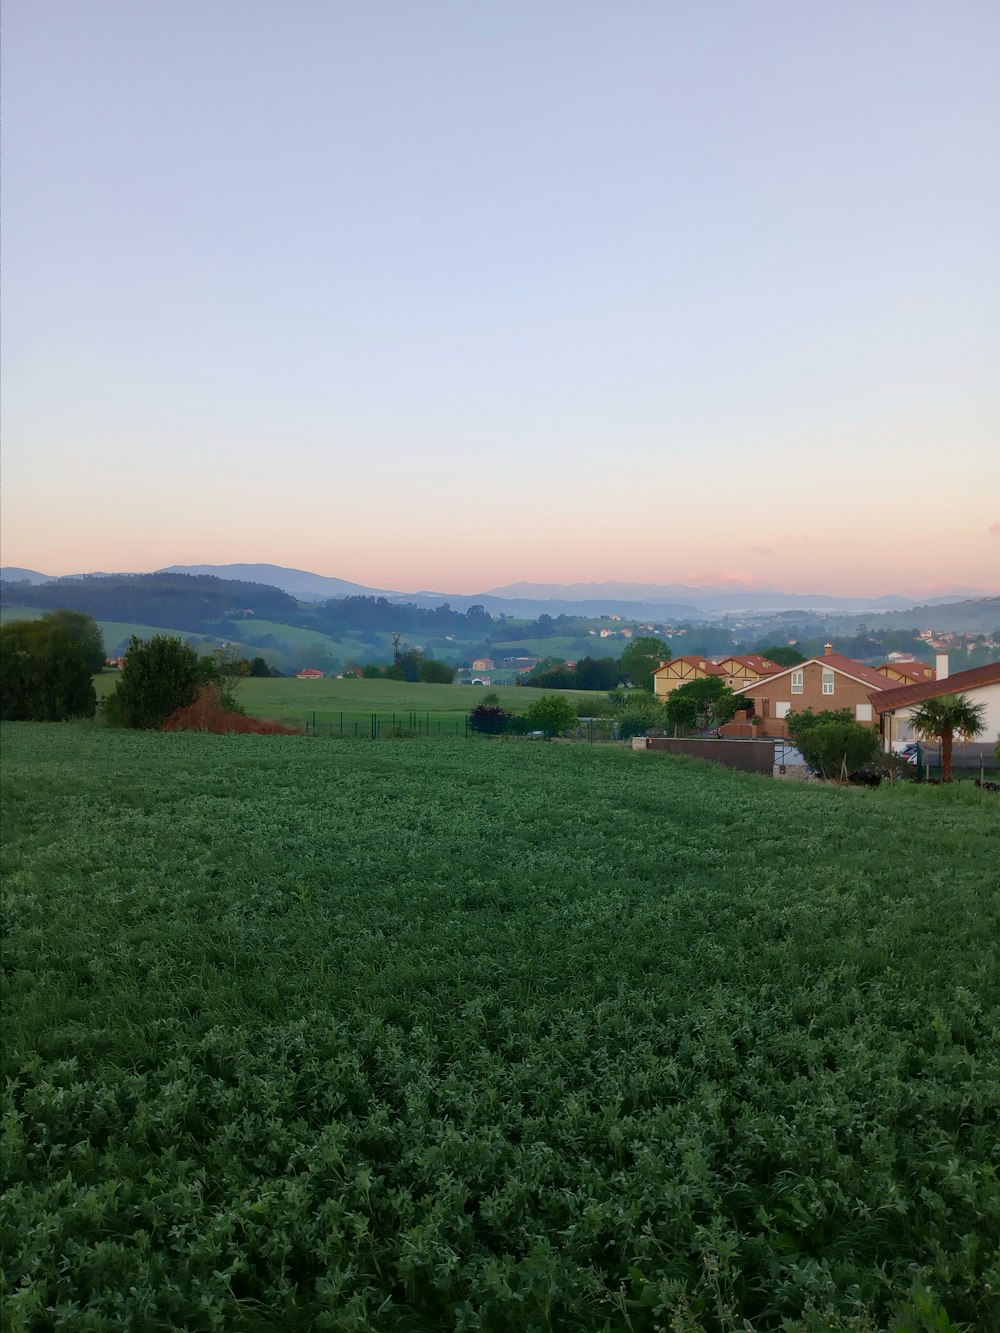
(530, 599)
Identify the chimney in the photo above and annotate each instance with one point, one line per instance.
(941, 662)
(828, 650)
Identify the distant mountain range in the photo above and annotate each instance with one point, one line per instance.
(528, 600)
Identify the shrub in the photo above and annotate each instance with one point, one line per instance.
(207, 713)
(594, 705)
(639, 713)
(489, 719)
(552, 713)
(831, 748)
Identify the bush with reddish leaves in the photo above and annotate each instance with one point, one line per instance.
(207, 714)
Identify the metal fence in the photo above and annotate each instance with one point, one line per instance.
(372, 725)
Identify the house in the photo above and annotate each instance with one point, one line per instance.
(981, 685)
(906, 671)
(680, 671)
(308, 673)
(483, 664)
(742, 671)
(821, 683)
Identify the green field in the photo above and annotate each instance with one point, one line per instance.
(303, 1034)
(326, 701)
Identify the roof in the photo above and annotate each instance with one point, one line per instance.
(909, 668)
(905, 695)
(696, 663)
(762, 665)
(846, 666)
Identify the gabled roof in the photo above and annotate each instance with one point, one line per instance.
(844, 666)
(762, 665)
(913, 671)
(703, 664)
(889, 700)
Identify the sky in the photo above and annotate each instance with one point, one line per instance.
(449, 295)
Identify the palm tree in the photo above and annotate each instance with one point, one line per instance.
(946, 716)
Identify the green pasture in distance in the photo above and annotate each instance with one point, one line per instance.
(292, 638)
(287, 698)
(559, 645)
(12, 613)
(308, 1034)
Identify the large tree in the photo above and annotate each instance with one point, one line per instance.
(43, 674)
(596, 673)
(699, 704)
(783, 654)
(946, 716)
(641, 658)
(433, 672)
(87, 633)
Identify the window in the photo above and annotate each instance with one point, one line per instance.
(827, 681)
(863, 712)
(782, 709)
(797, 682)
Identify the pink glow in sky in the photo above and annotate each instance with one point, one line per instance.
(708, 300)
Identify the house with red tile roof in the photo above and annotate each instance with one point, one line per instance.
(981, 685)
(745, 670)
(821, 683)
(907, 671)
(682, 670)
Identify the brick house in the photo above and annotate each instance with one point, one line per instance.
(483, 664)
(681, 670)
(821, 683)
(309, 673)
(981, 685)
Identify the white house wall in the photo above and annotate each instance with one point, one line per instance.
(985, 694)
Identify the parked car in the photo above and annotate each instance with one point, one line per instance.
(910, 752)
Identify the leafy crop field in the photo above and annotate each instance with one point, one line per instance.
(463, 1035)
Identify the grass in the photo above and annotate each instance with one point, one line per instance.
(290, 699)
(466, 1035)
